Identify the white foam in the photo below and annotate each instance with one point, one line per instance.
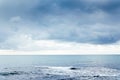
(55, 73)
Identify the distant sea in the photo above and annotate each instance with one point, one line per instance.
(112, 61)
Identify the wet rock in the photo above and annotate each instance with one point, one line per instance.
(73, 68)
(96, 76)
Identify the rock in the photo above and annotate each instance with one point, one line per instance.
(73, 68)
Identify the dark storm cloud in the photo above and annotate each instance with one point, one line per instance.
(82, 21)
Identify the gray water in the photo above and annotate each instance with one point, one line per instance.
(60, 67)
(62, 60)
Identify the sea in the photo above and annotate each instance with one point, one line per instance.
(60, 67)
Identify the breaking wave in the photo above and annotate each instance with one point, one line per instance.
(59, 73)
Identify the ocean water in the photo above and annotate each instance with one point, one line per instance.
(60, 67)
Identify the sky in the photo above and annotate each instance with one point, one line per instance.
(60, 26)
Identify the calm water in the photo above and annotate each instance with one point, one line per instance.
(112, 61)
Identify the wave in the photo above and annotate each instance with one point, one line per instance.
(59, 73)
(11, 73)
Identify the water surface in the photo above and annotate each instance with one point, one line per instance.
(62, 60)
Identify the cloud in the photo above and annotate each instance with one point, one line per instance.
(80, 21)
(16, 19)
(52, 47)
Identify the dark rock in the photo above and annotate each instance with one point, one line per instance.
(96, 76)
(73, 68)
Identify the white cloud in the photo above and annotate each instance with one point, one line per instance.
(26, 45)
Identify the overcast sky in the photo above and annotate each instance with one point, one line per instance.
(35, 25)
